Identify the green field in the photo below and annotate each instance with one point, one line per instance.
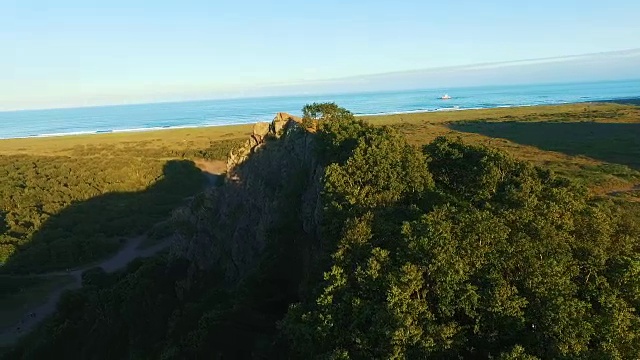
(162, 143)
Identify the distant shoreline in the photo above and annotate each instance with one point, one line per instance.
(635, 101)
(625, 101)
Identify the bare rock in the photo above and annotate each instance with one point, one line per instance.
(260, 130)
(280, 121)
(229, 227)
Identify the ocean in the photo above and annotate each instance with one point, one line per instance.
(120, 118)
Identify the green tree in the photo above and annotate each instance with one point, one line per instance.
(338, 130)
(508, 261)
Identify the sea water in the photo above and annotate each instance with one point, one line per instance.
(103, 119)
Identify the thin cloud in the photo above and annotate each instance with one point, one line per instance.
(493, 65)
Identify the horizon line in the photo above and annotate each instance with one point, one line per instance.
(474, 66)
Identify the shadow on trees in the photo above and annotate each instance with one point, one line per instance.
(3, 223)
(610, 142)
(89, 230)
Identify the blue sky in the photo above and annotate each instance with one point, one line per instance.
(69, 52)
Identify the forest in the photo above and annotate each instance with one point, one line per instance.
(447, 249)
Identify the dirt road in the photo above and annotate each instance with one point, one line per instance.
(35, 315)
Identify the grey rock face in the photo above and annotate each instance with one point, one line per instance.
(271, 180)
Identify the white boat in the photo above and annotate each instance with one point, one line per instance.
(445, 97)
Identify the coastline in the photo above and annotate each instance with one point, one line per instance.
(625, 101)
(153, 130)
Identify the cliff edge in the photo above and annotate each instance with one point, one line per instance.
(271, 190)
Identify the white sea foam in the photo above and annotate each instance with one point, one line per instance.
(51, 135)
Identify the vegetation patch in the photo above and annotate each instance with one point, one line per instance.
(73, 205)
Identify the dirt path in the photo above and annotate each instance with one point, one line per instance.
(131, 251)
(35, 315)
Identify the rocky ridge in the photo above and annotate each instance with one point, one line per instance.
(272, 189)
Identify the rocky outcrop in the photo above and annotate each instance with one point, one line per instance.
(282, 119)
(261, 131)
(272, 186)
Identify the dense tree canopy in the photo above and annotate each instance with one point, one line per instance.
(455, 251)
(504, 260)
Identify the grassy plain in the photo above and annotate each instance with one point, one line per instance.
(173, 143)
